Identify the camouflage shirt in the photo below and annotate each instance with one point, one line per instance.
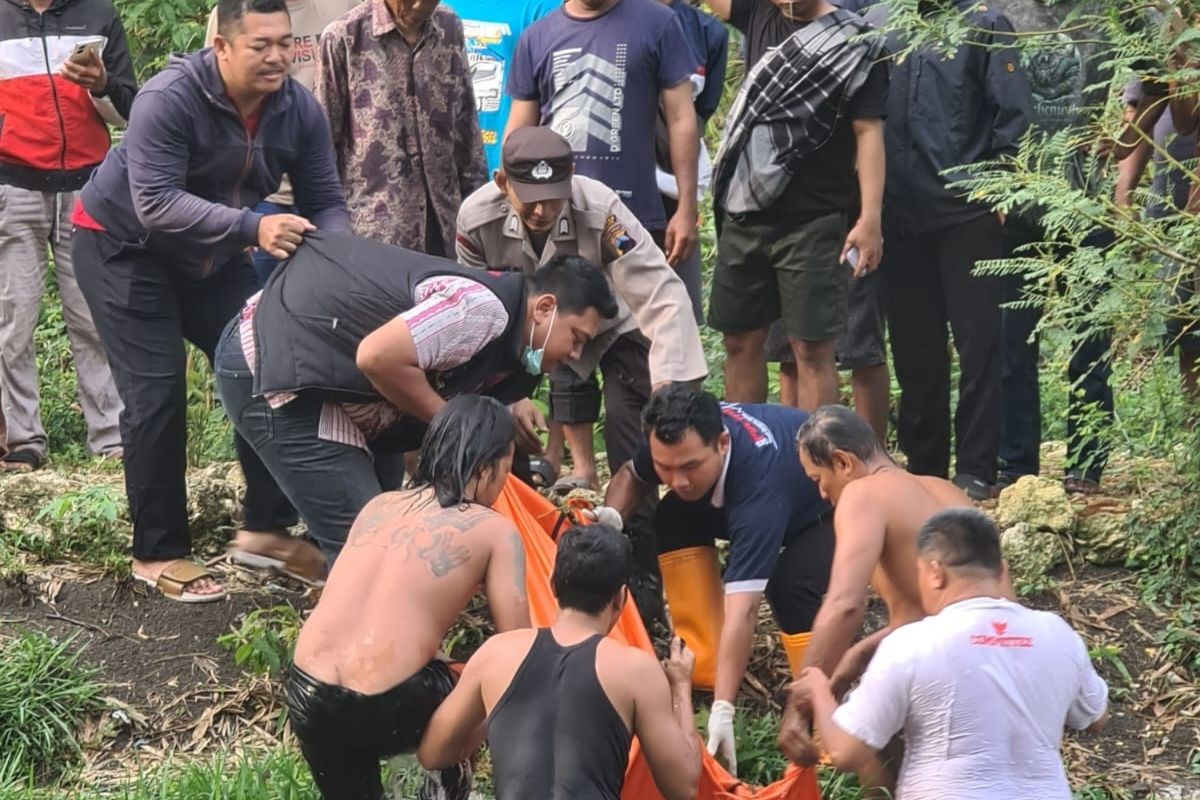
(404, 125)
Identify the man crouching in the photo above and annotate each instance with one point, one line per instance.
(367, 676)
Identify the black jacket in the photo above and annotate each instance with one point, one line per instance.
(317, 308)
(187, 176)
(52, 131)
(946, 113)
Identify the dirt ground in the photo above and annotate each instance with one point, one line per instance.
(170, 687)
(174, 690)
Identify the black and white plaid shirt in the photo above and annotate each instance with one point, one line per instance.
(788, 107)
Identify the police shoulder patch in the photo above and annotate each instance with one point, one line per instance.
(616, 235)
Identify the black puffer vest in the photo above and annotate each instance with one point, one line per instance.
(318, 307)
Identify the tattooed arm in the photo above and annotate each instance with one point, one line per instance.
(505, 581)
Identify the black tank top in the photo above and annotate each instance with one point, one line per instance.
(554, 735)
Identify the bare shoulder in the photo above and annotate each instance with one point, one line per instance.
(945, 491)
(635, 664)
(495, 526)
(385, 510)
(503, 645)
(629, 676)
(862, 499)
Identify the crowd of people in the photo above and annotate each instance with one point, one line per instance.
(382, 222)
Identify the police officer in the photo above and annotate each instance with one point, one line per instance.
(537, 209)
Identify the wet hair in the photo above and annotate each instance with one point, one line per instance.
(676, 409)
(962, 539)
(469, 434)
(593, 564)
(577, 284)
(230, 13)
(832, 428)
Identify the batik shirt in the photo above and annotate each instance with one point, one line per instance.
(404, 124)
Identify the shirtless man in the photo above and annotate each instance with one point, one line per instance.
(367, 675)
(561, 704)
(878, 510)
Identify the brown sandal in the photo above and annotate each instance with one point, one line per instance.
(304, 562)
(176, 577)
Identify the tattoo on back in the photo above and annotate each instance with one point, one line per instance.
(443, 554)
(394, 522)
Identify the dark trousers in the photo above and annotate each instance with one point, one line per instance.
(328, 482)
(626, 370)
(929, 285)
(144, 314)
(801, 575)
(1021, 417)
(1090, 397)
(345, 734)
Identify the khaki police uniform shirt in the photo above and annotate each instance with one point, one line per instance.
(597, 226)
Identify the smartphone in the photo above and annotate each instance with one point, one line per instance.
(852, 257)
(87, 48)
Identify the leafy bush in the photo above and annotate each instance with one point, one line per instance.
(157, 28)
(87, 525)
(44, 694)
(264, 641)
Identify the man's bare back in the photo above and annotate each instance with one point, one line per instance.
(907, 501)
(408, 570)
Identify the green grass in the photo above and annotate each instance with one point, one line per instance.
(264, 640)
(279, 775)
(44, 694)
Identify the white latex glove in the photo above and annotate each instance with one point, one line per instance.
(605, 516)
(720, 735)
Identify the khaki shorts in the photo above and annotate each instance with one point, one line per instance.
(770, 269)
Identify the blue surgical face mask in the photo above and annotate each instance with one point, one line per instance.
(532, 359)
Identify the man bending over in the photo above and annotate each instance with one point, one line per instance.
(878, 510)
(982, 688)
(367, 676)
(561, 704)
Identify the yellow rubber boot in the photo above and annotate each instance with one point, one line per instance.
(692, 579)
(795, 645)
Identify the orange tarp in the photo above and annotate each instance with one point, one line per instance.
(535, 518)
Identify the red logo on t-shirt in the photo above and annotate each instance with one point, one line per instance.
(998, 639)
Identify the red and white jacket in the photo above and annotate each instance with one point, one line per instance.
(53, 133)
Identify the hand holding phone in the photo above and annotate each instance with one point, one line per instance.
(84, 65)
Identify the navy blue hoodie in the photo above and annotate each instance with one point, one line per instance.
(184, 180)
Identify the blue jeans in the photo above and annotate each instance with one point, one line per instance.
(264, 263)
(329, 483)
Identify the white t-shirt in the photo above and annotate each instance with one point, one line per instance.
(982, 691)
